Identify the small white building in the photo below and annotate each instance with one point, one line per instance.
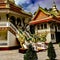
(47, 21)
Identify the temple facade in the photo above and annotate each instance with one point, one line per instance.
(47, 21)
(12, 18)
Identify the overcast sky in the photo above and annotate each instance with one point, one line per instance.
(32, 5)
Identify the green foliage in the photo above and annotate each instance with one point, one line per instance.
(30, 54)
(43, 37)
(36, 38)
(51, 52)
(29, 39)
(39, 37)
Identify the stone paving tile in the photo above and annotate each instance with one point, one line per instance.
(15, 55)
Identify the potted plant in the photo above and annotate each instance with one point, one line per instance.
(51, 52)
(30, 54)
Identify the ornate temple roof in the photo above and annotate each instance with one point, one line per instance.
(49, 19)
(54, 10)
(40, 9)
(11, 6)
(44, 15)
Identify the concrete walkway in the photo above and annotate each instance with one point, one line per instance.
(15, 55)
(43, 55)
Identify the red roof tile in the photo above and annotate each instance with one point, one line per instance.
(43, 21)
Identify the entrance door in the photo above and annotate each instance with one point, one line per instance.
(32, 29)
(57, 37)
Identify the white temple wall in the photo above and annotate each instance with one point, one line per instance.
(49, 31)
(11, 39)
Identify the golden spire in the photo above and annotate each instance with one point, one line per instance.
(54, 6)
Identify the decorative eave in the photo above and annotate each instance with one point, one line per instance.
(40, 9)
(2, 5)
(57, 17)
(13, 7)
(43, 21)
(49, 19)
(17, 9)
(39, 21)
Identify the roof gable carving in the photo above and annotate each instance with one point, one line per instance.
(40, 14)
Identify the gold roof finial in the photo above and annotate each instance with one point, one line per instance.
(54, 6)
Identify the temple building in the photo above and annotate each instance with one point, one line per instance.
(47, 21)
(12, 18)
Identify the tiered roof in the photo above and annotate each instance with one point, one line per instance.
(44, 15)
(11, 6)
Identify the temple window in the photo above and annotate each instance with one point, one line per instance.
(58, 27)
(52, 26)
(7, 16)
(12, 19)
(41, 26)
(23, 21)
(52, 36)
(45, 26)
(19, 21)
(38, 26)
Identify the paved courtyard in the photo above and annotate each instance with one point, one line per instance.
(15, 55)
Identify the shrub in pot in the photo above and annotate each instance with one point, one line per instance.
(51, 52)
(30, 54)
